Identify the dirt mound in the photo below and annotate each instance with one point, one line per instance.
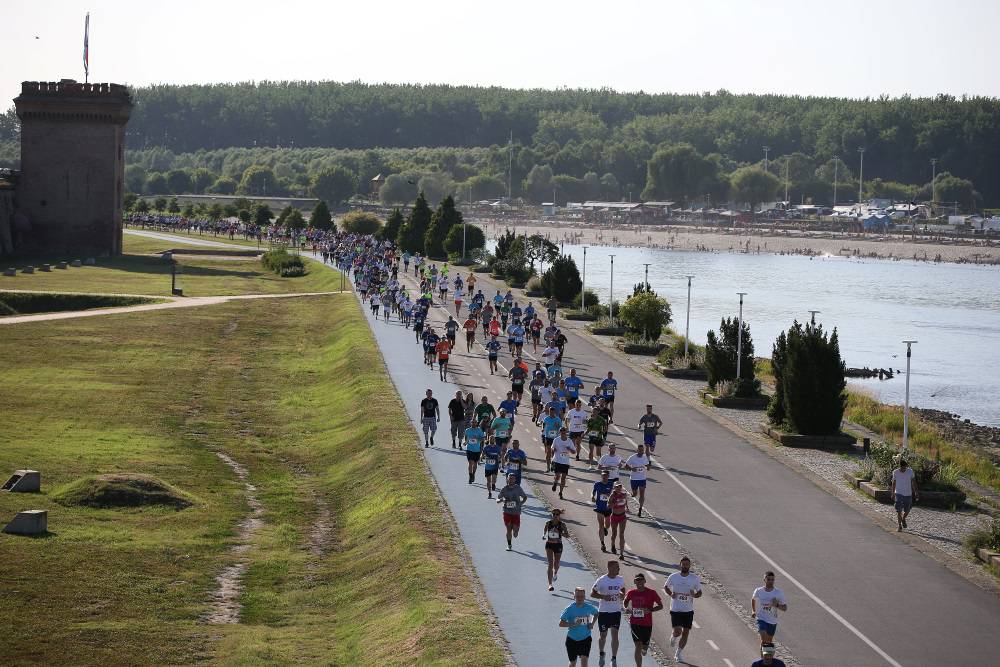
(121, 490)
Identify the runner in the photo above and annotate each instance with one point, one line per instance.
(562, 447)
(573, 384)
(549, 355)
(650, 425)
(430, 415)
(597, 426)
(485, 411)
(456, 413)
(471, 282)
(509, 405)
(470, 327)
(458, 298)
(619, 518)
(577, 418)
(513, 497)
(375, 302)
(443, 351)
(765, 604)
(609, 386)
(682, 588)
(553, 533)
(501, 427)
(451, 330)
(491, 464)
(518, 337)
(431, 340)
(637, 465)
(551, 306)
(536, 333)
(601, 494)
(550, 431)
(517, 376)
(536, 398)
(515, 459)
(579, 617)
(609, 589)
(474, 437)
(492, 350)
(641, 603)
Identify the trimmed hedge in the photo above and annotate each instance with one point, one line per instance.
(284, 264)
(24, 303)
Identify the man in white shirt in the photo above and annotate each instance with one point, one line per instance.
(609, 589)
(549, 355)
(562, 447)
(637, 465)
(682, 588)
(611, 462)
(904, 491)
(577, 418)
(765, 604)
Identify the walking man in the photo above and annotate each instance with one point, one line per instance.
(430, 415)
(456, 413)
(904, 490)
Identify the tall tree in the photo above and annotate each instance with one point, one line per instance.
(411, 234)
(753, 185)
(334, 184)
(392, 225)
(445, 217)
(679, 173)
(321, 218)
(260, 181)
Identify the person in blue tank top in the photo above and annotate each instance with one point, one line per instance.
(491, 462)
(474, 437)
(515, 459)
(600, 495)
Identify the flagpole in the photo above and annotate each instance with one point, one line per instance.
(86, 49)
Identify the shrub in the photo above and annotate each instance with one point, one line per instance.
(360, 222)
(865, 469)
(475, 239)
(536, 285)
(720, 357)
(673, 355)
(591, 302)
(809, 380)
(985, 538)
(282, 263)
(725, 388)
(646, 313)
(562, 279)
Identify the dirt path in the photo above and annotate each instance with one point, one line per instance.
(169, 303)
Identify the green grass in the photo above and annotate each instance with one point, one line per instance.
(156, 394)
(140, 272)
(924, 438)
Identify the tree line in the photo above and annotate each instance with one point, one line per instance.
(595, 142)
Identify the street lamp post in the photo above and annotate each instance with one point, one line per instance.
(583, 291)
(861, 175)
(687, 323)
(611, 297)
(906, 400)
(766, 150)
(836, 164)
(739, 341)
(814, 313)
(787, 160)
(647, 274)
(933, 184)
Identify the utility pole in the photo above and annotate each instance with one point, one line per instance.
(583, 290)
(933, 183)
(510, 163)
(611, 298)
(647, 273)
(906, 403)
(739, 341)
(861, 176)
(787, 160)
(687, 324)
(766, 149)
(814, 313)
(836, 164)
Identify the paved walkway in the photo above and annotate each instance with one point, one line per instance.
(185, 239)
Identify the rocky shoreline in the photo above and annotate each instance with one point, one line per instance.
(964, 432)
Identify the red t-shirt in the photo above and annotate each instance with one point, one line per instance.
(641, 604)
(443, 348)
(471, 325)
(494, 328)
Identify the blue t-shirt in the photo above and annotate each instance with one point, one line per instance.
(515, 460)
(574, 384)
(510, 406)
(553, 369)
(493, 347)
(578, 617)
(529, 312)
(608, 387)
(774, 663)
(602, 491)
(501, 427)
(491, 456)
(474, 439)
(551, 426)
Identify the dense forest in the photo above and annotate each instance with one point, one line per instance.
(572, 144)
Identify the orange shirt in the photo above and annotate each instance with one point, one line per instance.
(443, 348)
(471, 325)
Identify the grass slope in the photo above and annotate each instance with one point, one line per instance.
(156, 394)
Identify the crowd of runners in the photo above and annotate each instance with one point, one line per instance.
(572, 424)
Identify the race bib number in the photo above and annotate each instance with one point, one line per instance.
(609, 391)
(638, 613)
(491, 460)
(501, 434)
(510, 504)
(638, 469)
(551, 434)
(473, 441)
(582, 620)
(603, 497)
(553, 534)
(683, 597)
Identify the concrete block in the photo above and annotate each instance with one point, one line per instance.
(29, 522)
(10, 273)
(45, 267)
(24, 481)
(28, 269)
(76, 263)
(61, 265)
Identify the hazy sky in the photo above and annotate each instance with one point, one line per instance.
(854, 48)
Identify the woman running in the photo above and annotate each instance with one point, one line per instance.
(554, 531)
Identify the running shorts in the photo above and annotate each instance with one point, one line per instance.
(618, 518)
(649, 439)
(641, 633)
(555, 547)
(578, 648)
(560, 468)
(637, 484)
(603, 512)
(511, 519)
(681, 619)
(768, 628)
(608, 619)
(576, 434)
(472, 456)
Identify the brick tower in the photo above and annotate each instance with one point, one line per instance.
(72, 166)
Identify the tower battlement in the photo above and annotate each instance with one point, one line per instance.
(70, 87)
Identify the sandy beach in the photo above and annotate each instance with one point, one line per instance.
(712, 239)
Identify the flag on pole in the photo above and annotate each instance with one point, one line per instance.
(86, 48)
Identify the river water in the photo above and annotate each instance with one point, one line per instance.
(952, 310)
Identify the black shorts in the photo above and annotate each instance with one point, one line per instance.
(578, 648)
(536, 334)
(681, 619)
(451, 336)
(517, 387)
(547, 441)
(555, 547)
(576, 434)
(470, 335)
(606, 513)
(641, 633)
(609, 619)
(472, 456)
(560, 468)
(536, 400)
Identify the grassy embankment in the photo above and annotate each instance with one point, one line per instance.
(140, 272)
(158, 394)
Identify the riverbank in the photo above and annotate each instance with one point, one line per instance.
(780, 242)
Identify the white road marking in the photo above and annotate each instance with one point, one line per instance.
(652, 576)
(729, 663)
(579, 490)
(715, 647)
(696, 626)
(770, 561)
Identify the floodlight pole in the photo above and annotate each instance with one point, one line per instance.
(647, 273)
(813, 313)
(906, 400)
(611, 296)
(766, 150)
(739, 341)
(583, 291)
(687, 323)
(861, 176)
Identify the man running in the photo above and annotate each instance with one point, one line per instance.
(550, 431)
(579, 617)
(501, 427)
(597, 426)
(443, 351)
(641, 603)
(536, 333)
(491, 464)
(650, 424)
(637, 464)
(451, 330)
(518, 376)
(536, 398)
(430, 415)
(470, 332)
(553, 533)
(562, 447)
(492, 351)
(512, 497)
(682, 588)
(609, 589)
(474, 437)
(609, 386)
(456, 413)
(485, 411)
(515, 459)
(619, 518)
(601, 495)
(577, 418)
(573, 384)
(764, 605)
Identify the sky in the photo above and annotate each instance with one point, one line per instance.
(849, 48)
